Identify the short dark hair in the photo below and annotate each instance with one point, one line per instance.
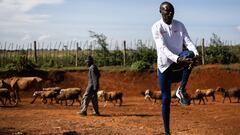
(89, 58)
(164, 3)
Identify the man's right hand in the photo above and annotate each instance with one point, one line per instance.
(184, 60)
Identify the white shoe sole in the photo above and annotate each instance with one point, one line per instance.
(178, 96)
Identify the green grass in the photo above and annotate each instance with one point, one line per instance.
(63, 68)
(230, 67)
(105, 68)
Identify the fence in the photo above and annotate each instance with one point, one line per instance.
(69, 53)
(73, 53)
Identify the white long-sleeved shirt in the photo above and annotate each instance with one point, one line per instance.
(169, 41)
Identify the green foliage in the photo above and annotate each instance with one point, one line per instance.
(21, 63)
(116, 57)
(147, 54)
(137, 59)
(10, 66)
(50, 63)
(217, 53)
(102, 54)
(142, 53)
(113, 58)
(141, 66)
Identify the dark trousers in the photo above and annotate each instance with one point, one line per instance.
(174, 73)
(88, 96)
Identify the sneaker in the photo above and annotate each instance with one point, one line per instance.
(96, 114)
(82, 113)
(182, 95)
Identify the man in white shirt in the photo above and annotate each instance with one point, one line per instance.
(170, 35)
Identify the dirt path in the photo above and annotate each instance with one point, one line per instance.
(135, 117)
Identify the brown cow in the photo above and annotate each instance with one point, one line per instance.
(10, 94)
(24, 83)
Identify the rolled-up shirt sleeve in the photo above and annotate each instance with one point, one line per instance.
(161, 44)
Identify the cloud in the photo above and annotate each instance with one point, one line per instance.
(44, 37)
(26, 37)
(26, 5)
(16, 11)
(238, 28)
(16, 18)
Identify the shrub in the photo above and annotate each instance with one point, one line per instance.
(218, 53)
(10, 66)
(141, 66)
(21, 63)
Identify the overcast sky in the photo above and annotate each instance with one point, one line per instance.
(62, 20)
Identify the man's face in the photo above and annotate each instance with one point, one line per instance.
(89, 63)
(167, 12)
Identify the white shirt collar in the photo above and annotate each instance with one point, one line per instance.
(162, 22)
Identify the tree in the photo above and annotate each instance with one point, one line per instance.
(216, 40)
(101, 40)
(102, 54)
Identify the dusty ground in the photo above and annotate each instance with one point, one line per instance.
(135, 117)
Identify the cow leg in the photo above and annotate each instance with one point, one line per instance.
(44, 100)
(223, 99)
(51, 102)
(7, 98)
(2, 101)
(72, 102)
(194, 101)
(78, 100)
(120, 104)
(56, 100)
(33, 100)
(229, 99)
(206, 98)
(203, 101)
(213, 98)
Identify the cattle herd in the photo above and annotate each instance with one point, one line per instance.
(200, 94)
(10, 87)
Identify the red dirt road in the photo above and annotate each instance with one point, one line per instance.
(135, 117)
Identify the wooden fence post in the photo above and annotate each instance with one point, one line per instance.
(203, 52)
(124, 53)
(35, 51)
(76, 60)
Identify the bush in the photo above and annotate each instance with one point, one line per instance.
(21, 63)
(217, 52)
(51, 63)
(10, 66)
(220, 54)
(141, 66)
